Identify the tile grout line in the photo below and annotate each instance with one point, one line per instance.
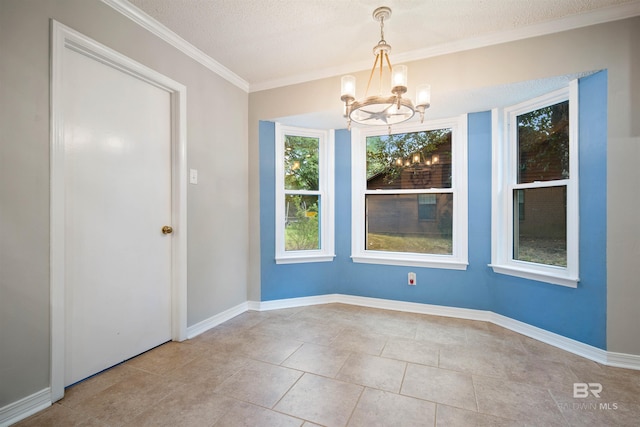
(356, 405)
(404, 374)
(478, 380)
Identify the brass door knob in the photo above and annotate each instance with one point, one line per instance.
(167, 229)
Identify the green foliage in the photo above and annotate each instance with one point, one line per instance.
(543, 143)
(388, 154)
(542, 251)
(301, 163)
(301, 231)
(420, 244)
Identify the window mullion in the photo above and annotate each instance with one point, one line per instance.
(303, 192)
(412, 191)
(542, 184)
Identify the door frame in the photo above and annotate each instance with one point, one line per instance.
(63, 37)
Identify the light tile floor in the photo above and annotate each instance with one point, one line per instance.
(339, 365)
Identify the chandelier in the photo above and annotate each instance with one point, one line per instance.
(383, 109)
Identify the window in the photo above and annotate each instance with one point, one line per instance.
(409, 201)
(427, 207)
(535, 202)
(304, 195)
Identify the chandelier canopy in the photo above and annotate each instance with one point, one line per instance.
(383, 109)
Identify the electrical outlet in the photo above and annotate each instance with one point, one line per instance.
(411, 280)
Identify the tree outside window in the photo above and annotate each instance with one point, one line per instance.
(540, 225)
(301, 209)
(408, 212)
(304, 187)
(535, 213)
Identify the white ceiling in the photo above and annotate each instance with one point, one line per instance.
(270, 43)
(264, 44)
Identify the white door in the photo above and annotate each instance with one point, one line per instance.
(117, 185)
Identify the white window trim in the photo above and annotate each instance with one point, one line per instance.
(456, 261)
(504, 160)
(326, 156)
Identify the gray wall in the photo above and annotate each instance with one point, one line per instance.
(217, 206)
(614, 46)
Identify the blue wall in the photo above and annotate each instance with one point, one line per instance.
(575, 313)
(579, 313)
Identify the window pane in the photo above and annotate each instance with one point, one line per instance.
(543, 144)
(416, 160)
(302, 226)
(393, 224)
(540, 225)
(301, 163)
(427, 207)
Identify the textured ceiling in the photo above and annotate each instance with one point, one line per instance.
(273, 42)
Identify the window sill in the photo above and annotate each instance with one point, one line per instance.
(298, 259)
(411, 262)
(540, 276)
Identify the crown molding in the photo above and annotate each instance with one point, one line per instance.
(599, 16)
(164, 33)
(572, 22)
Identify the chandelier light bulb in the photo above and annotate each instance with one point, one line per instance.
(423, 95)
(399, 76)
(348, 86)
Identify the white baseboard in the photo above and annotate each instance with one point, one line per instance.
(25, 407)
(29, 405)
(564, 343)
(385, 304)
(415, 307)
(621, 360)
(604, 357)
(219, 318)
(293, 302)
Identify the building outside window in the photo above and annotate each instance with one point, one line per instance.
(409, 195)
(536, 189)
(427, 205)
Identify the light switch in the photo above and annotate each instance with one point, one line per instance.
(193, 176)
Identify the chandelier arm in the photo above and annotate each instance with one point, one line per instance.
(381, 69)
(375, 64)
(386, 55)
